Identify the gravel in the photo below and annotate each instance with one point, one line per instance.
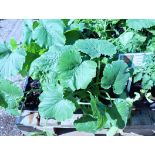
(7, 125)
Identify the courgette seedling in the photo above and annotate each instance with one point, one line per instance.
(75, 68)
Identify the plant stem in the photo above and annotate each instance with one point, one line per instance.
(109, 97)
(98, 75)
(98, 70)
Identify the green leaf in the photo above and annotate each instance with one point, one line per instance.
(30, 57)
(147, 82)
(13, 44)
(137, 77)
(138, 40)
(98, 110)
(76, 26)
(152, 31)
(3, 103)
(33, 51)
(74, 73)
(72, 36)
(65, 21)
(94, 47)
(97, 107)
(53, 105)
(13, 112)
(125, 38)
(153, 77)
(11, 62)
(131, 42)
(115, 75)
(93, 103)
(105, 60)
(27, 31)
(10, 93)
(44, 67)
(138, 24)
(146, 78)
(151, 45)
(34, 48)
(49, 32)
(86, 124)
(118, 114)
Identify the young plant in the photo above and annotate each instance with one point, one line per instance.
(145, 74)
(76, 71)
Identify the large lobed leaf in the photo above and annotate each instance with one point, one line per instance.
(138, 24)
(115, 75)
(27, 31)
(11, 61)
(53, 105)
(49, 32)
(131, 42)
(74, 73)
(95, 48)
(126, 38)
(44, 67)
(10, 94)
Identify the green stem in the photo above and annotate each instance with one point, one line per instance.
(105, 26)
(98, 70)
(98, 75)
(109, 97)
